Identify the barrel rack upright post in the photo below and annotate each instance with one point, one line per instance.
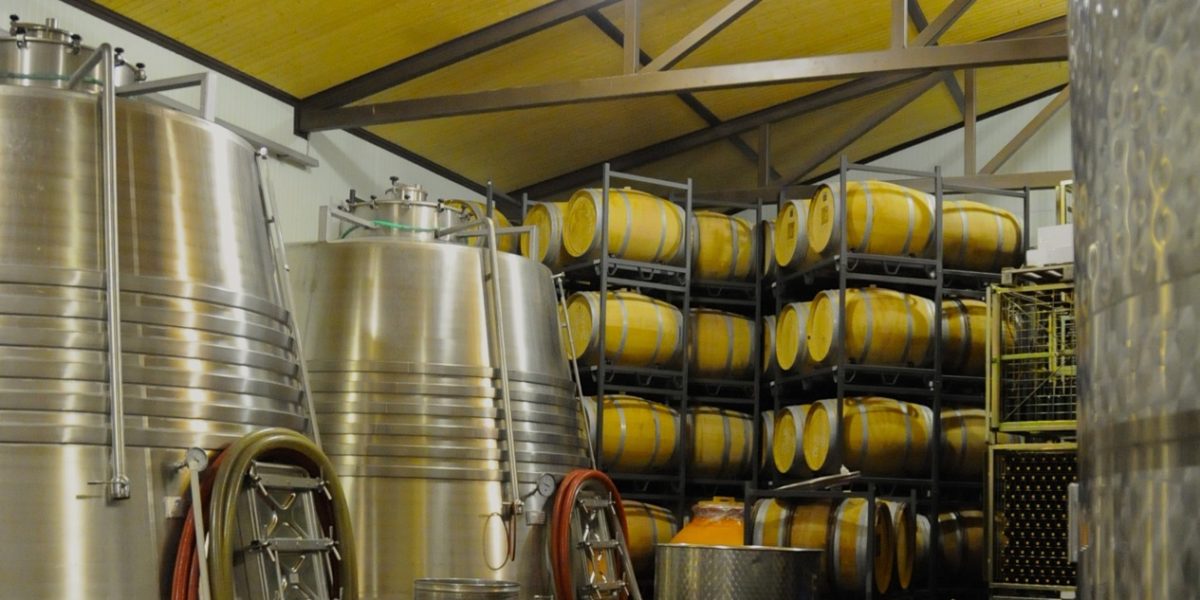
(670, 283)
(928, 386)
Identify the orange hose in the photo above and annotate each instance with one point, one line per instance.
(560, 530)
(185, 579)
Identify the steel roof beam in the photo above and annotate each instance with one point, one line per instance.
(930, 34)
(771, 114)
(791, 70)
(1035, 124)
(860, 129)
(696, 37)
(690, 100)
(453, 51)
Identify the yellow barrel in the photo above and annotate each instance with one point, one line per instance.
(766, 248)
(721, 442)
(883, 327)
(772, 522)
(879, 436)
(788, 449)
(768, 343)
(921, 560)
(548, 219)
(904, 533)
(640, 226)
(640, 436)
(961, 534)
(964, 442)
(639, 331)
(882, 218)
(649, 525)
(791, 338)
(964, 336)
(768, 439)
(848, 546)
(979, 237)
(812, 526)
(719, 344)
(473, 209)
(724, 247)
(791, 236)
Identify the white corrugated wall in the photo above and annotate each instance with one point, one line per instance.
(346, 161)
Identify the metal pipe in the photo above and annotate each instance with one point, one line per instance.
(496, 316)
(118, 483)
(562, 302)
(285, 290)
(96, 57)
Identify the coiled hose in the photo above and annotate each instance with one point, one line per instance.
(219, 488)
(561, 543)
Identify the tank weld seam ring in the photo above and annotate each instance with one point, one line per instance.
(624, 327)
(662, 231)
(624, 432)
(864, 425)
(627, 236)
(727, 445)
(865, 242)
(867, 338)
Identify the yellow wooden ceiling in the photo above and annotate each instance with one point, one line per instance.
(305, 46)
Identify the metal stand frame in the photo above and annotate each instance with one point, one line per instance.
(925, 276)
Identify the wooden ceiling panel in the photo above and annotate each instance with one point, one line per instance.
(305, 46)
(519, 148)
(988, 18)
(716, 166)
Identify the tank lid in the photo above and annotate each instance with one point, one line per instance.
(49, 30)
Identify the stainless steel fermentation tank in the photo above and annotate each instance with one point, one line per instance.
(206, 342)
(1135, 93)
(406, 374)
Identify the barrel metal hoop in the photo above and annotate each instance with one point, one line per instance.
(931, 206)
(760, 521)
(662, 231)
(728, 349)
(628, 235)
(624, 327)
(624, 432)
(747, 440)
(727, 442)
(657, 435)
(652, 517)
(912, 222)
(866, 349)
(658, 338)
(964, 238)
(864, 425)
(909, 323)
(964, 436)
(860, 544)
(870, 221)
(908, 430)
(836, 437)
(965, 320)
(999, 241)
(593, 301)
(736, 241)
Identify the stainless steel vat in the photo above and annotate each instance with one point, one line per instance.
(695, 572)
(404, 372)
(206, 345)
(1135, 104)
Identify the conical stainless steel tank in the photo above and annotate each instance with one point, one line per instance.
(206, 342)
(1135, 120)
(405, 374)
